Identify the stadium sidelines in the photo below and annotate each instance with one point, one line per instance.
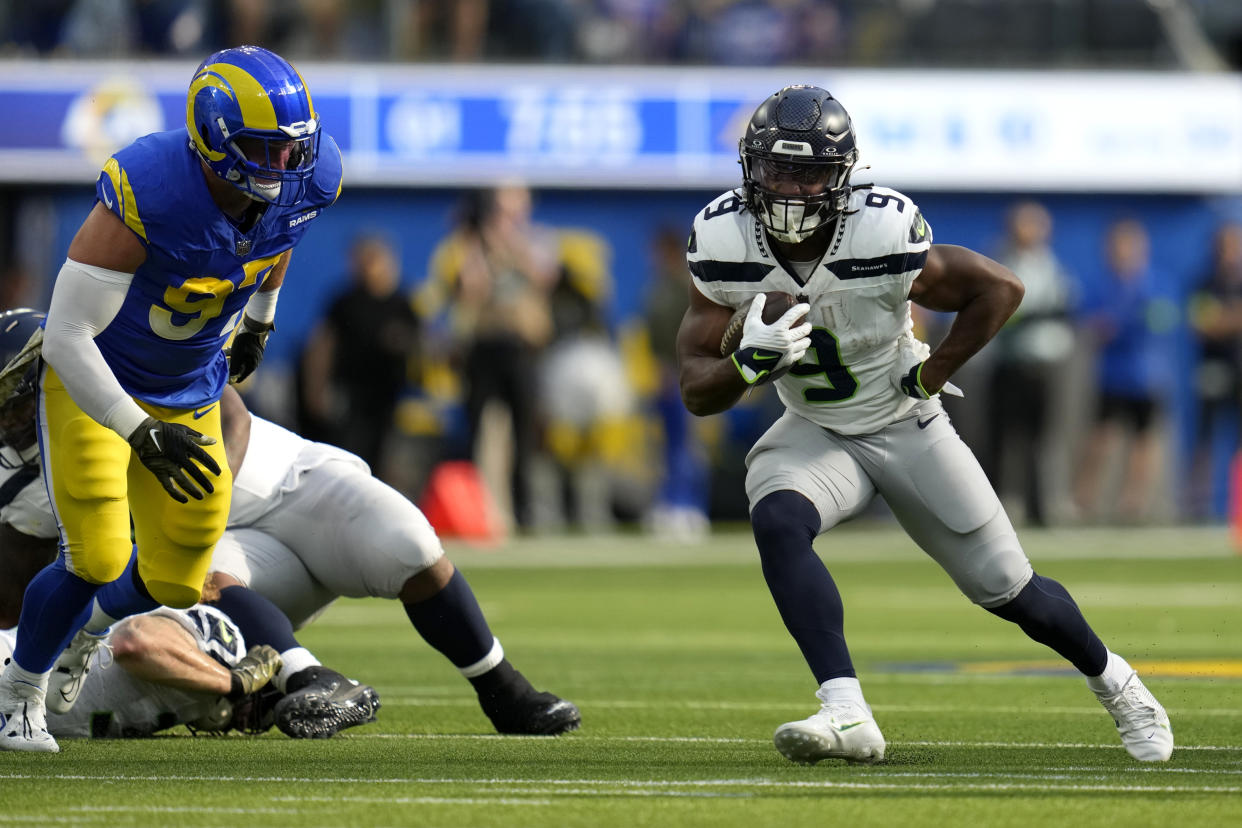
(869, 541)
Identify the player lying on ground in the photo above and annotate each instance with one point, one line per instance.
(310, 523)
(863, 415)
(192, 667)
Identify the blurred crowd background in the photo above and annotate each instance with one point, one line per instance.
(1033, 33)
(520, 338)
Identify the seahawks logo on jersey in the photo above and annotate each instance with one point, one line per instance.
(217, 635)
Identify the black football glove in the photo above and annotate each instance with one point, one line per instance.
(172, 451)
(248, 347)
(912, 383)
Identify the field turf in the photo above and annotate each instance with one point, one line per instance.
(682, 670)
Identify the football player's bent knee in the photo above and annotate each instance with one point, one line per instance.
(100, 560)
(426, 583)
(997, 575)
(172, 594)
(782, 518)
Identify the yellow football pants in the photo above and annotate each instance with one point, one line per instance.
(96, 483)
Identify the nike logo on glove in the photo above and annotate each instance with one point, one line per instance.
(927, 422)
(155, 438)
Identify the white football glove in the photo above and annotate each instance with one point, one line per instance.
(766, 350)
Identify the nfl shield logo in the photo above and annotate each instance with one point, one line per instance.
(243, 247)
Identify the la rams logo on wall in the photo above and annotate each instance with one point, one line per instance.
(110, 115)
(242, 248)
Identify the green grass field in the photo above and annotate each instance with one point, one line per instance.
(682, 670)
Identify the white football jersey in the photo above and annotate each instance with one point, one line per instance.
(24, 503)
(863, 332)
(116, 704)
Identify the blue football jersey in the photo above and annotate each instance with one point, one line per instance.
(166, 344)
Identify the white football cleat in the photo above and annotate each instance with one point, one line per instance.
(1141, 721)
(69, 674)
(23, 722)
(840, 730)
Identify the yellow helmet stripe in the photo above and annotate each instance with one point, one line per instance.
(256, 107)
(203, 79)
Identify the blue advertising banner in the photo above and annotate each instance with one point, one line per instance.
(587, 127)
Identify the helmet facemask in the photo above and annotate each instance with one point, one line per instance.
(272, 168)
(793, 198)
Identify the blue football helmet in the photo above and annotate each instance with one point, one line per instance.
(251, 120)
(797, 156)
(18, 379)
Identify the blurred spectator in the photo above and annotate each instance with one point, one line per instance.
(1129, 320)
(680, 510)
(311, 28)
(585, 394)
(1216, 321)
(354, 365)
(495, 273)
(1028, 358)
(760, 32)
(112, 28)
(438, 29)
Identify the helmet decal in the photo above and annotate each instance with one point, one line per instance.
(251, 120)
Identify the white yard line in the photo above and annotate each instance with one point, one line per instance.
(611, 787)
(796, 707)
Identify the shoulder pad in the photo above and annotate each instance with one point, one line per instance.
(328, 179)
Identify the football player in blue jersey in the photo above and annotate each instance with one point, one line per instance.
(186, 246)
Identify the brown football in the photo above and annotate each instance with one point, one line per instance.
(778, 303)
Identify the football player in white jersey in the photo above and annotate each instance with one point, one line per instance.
(353, 535)
(308, 523)
(171, 667)
(863, 415)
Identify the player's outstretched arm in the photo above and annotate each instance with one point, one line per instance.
(87, 296)
(982, 292)
(157, 649)
(709, 383)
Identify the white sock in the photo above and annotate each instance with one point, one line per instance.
(16, 675)
(1114, 677)
(844, 689)
(293, 661)
(494, 656)
(99, 622)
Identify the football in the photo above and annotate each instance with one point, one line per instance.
(778, 302)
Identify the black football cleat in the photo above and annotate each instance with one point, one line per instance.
(323, 702)
(518, 709)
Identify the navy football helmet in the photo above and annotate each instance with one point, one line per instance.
(251, 120)
(19, 378)
(797, 156)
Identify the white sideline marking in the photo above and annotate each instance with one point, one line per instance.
(612, 787)
(717, 740)
(415, 800)
(794, 707)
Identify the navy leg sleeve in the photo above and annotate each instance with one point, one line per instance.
(1046, 612)
(785, 524)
